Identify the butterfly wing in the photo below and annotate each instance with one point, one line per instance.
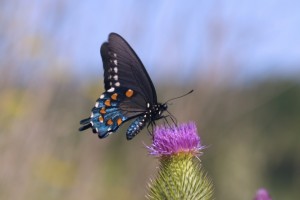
(128, 88)
(121, 62)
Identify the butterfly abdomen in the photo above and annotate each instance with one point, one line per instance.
(136, 126)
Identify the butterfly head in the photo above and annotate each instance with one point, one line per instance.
(163, 107)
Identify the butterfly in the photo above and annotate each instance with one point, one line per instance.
(129, 92)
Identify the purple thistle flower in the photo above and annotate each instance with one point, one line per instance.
(176, 139)
(262, 194)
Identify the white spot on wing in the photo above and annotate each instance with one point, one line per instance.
(115, 55)
(111, 89)
(102, 96)
(97, 104)
(117, 84)
(116, 77)
(116, 62)
(116, 69)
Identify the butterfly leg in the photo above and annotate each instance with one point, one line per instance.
(165, 117)
(150, 132)
(166, 120)
(174, 120)
(169, 124)
(152, 124)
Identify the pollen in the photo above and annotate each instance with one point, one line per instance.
(129, 93)
(107, 102)
(114, 96)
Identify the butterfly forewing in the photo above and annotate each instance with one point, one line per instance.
(121, 62)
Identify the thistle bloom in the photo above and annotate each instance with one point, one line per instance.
(176, 139)
(180, 176)
(262, 194)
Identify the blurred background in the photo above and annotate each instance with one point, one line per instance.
(242, 58)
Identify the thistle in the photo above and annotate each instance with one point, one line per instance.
(180, 175)
(262, 194)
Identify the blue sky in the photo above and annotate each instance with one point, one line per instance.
(250, 38)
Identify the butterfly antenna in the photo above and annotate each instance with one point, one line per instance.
(180, 96)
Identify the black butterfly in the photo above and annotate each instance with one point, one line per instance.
(129, 92)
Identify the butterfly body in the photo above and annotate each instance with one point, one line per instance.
(129, 92)
(151, 115)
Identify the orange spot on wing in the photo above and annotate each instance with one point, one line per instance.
(114, 96)
(129, 93)
(119, 121)
(107, 102)
(109, 122)
(103, 111)
(100, 119)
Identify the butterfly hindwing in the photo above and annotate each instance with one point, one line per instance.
(106, 116)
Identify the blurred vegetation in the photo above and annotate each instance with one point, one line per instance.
(252, 130)
(252, 133)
